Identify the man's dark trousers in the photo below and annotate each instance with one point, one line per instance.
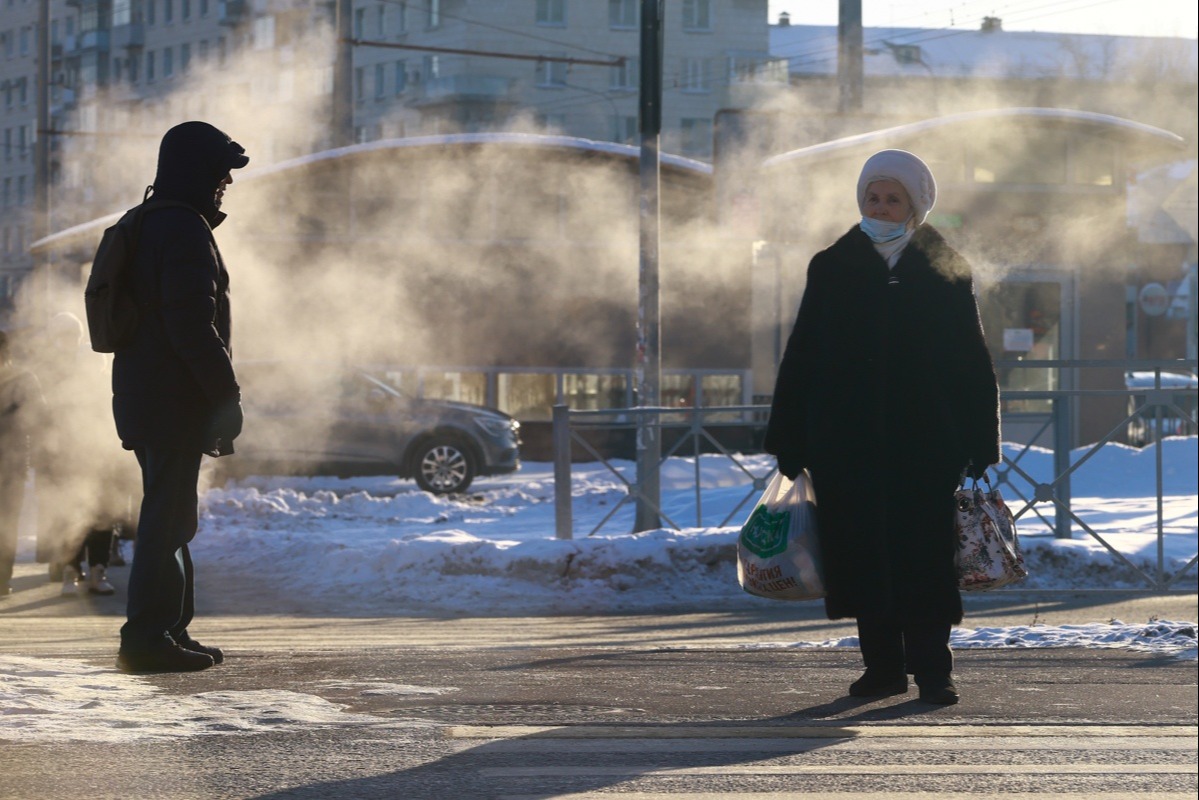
(161, 592)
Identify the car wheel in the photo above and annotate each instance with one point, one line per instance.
(443, 467)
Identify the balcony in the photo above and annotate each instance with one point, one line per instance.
(90, 40)
(233, 12)
(461, 89)
(131, 36)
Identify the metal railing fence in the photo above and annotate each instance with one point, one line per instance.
(696, 431)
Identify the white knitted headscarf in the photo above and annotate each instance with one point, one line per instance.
(915, 177)
(909, 171)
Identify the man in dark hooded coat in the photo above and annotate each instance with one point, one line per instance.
(175, 395)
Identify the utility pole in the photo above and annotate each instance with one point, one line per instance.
(649, 357)
(849, 55)
(342, 123)
(41, 146)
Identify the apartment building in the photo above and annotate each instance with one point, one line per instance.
(570, 66)
(122, 71)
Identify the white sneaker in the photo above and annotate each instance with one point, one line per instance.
(72, 581)
(97, 581)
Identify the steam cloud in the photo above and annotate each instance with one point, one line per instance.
(504, 255)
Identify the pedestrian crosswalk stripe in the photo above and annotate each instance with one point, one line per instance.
(855, 795)
(815, 731)
(842, 770)
(542, 744)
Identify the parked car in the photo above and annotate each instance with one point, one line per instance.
(1177, 419)
(310, 420)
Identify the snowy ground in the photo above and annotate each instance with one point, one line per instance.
(373, 544)
(381, 547)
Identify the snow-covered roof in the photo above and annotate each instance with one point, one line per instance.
(1101, 123)
(1162, 203)
(571, 143)
(952, 53)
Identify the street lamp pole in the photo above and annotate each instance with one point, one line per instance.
(649, 359)
(41, 147)
(343, 76)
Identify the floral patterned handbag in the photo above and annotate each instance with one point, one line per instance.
(988, 553)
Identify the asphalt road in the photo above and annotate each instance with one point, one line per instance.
(638, 706)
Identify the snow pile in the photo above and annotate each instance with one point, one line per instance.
(374, 543)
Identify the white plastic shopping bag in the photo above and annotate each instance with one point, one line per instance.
(778, 555)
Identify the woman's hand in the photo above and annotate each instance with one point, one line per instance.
(790, 467)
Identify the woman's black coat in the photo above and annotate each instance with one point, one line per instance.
(885, 393)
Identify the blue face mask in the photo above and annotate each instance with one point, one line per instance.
(881, 231)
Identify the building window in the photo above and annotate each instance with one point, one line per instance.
(380, 21)
(551, 73)
(168, 63)
(222, 51)
(552, 122)
(203, 8)
(185, 58)
(24, 41)
(359, 22)
(401, 18)
(745, 67)
(151, 5)
(696, 75)
(697, 15)
(624, 129)
(551, 12)
(379, 87)
(696, 137)
(432, 13)
(625, 76)
(122, 13)
(185, 9)
(432, 67)
(20, 190)
(401, 77)
(359, 83)
(622, 14)
(168, 11)
(149, 66)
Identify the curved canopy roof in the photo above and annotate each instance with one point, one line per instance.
(622, 152)
(1137, 135)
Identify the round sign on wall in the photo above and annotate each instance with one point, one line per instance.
(1154, 299)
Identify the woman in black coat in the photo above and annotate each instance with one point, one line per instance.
(886, 393)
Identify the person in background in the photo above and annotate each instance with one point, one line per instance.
(22, 417)
(175, 394)
(886, 393)
(72, 463)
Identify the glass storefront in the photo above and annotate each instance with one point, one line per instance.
(1022, 320)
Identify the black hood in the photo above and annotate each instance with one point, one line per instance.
(192, 160)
